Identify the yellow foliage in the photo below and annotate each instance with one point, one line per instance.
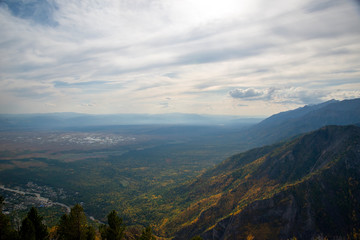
(250, 237)
(155, 197)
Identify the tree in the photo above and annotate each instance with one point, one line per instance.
(90, 235)
(74, 226)
(41, 231)
(115, 229)
(6, 231)
(147, 234)
(32, 226)
(27, 230)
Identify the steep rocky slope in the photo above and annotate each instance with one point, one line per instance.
(306, 187)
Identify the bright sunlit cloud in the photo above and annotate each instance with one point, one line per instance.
(156, 56)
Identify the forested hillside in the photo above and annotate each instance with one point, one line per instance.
(301, 188)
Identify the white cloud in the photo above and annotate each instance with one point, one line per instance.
(140, 52)
(291, 95)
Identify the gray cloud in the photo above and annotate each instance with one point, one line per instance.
(249, 94)
(171, 75)
(60, 84)
(33, 92)
(304, 26)
(88, 104)
(320, 5)
(242, 105)
(288, 95)
(152, 85)
(217, 55)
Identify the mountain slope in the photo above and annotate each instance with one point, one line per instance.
(299, 188)
(284, 125)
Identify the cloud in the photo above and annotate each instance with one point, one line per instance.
(241, 105)
(50, 105)
(250, 94)
(39, 11)
(320, 5)
(171, 75)
(61, 84)
(164, 104)
(285, 95)
(36, 93)
(88, 105)
(299, 96)
(222, 54)
(140, 52)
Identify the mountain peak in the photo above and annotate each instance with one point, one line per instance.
(285, 125)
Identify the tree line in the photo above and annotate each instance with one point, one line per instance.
(72, 226)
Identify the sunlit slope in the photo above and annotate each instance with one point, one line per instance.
(301, 188)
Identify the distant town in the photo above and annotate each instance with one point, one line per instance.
(66, 138)
(21, 198)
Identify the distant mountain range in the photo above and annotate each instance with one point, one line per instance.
(275, 128)
(71, 120)
(284, 125)
(303, 188)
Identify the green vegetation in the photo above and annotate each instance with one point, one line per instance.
(316, 173)
(32, 226)
(147, 234)
(115, 229)
(133, 183)
(253, 195)
(74, 226)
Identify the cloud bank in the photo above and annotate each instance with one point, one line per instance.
(214, 57)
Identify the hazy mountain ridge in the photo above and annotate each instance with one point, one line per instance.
(66, 120)
(279, 191)
(301, 120)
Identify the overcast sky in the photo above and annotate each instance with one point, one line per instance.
(249, 57)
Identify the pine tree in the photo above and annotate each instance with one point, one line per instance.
(63, 227)
(41, 231)
(115, 229)
(74, 226)
(32, 226)
(27, 230)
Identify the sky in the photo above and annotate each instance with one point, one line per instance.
(222, 57)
